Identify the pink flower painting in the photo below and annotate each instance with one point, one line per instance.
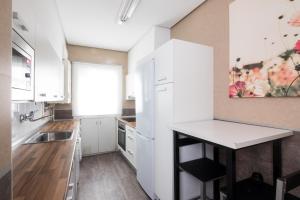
(265, 51)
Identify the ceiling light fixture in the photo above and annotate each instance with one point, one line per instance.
(127, 9)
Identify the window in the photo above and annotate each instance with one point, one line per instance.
(96, 89)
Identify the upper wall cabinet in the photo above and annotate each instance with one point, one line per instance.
(151, 41)
(24, 19)
(39, 24)
(49, 73)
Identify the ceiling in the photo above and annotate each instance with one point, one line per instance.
(93, 23)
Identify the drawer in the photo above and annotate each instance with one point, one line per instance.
(130, 156)
(131, 150)
(130, 138)
(130, 131)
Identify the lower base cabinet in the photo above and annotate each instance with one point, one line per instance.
(131, 145)
(74, 176)
(98, 135)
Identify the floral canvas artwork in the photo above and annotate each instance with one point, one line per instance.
(264, 48)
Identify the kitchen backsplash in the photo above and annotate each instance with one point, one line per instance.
(24, 129)
(128, 112)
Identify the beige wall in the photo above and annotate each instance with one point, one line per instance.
(101, 56)
(209, 24)
(5, 74)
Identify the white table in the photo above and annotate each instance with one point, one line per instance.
(231, 136)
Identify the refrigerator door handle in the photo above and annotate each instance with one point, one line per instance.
(142, 136)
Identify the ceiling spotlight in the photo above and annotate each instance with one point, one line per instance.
(127, 9)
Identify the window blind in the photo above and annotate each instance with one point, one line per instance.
(96, 89)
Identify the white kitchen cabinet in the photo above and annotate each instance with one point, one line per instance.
(130, 94)
(39, 24)
(89, 129)
(49, 85)
(151, 41)
(24, 19)
(131, 145)
(47, 17)
(107, 134)
(98, 135)
(49, 71)
(67, 81)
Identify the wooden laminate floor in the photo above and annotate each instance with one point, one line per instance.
(108, 177)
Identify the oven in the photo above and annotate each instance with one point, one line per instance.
(22, 68)
(122, 135)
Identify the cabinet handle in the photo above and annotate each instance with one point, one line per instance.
(43, 94)
(71, 186)
(55, 96)
(131, 153)
(162, 90)
(162, 79)
(129, 137)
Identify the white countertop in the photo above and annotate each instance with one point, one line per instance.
(230, 134)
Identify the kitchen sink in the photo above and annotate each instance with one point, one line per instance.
(49, 137)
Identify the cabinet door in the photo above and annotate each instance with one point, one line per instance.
(47, 71)
(107, 137)
(164, 141)
(90, 136)
(49, 53)
(130, 95)
(24, 20)
(164, 64)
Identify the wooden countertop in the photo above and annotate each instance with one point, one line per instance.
(131, 124)
(230, 134)
(41, 171)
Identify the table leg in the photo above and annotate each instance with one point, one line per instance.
(277, 161)
(216, 183)
(231, 174)
(176, 166)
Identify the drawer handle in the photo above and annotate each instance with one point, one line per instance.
(55, 96)
(43, 94)
(162, 79)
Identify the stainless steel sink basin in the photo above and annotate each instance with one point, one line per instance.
(49, 137)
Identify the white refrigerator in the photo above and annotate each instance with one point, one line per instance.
(173, 84)
(183, 92)
(144, 89)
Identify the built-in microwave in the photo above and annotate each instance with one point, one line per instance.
(22, 69)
